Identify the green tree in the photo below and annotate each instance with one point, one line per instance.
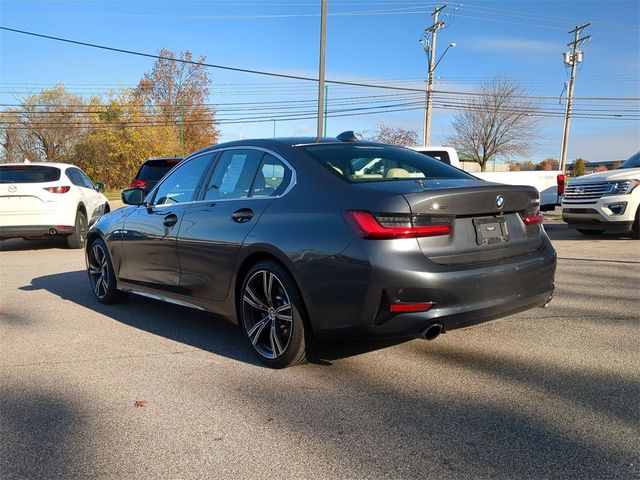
(122, 138)
(579, 167)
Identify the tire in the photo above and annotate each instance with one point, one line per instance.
(101, 274)
(77, 238)
(272, 316)
(590, 232)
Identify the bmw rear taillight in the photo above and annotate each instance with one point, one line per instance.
(386, 226)
(63, 189)
(138, 183)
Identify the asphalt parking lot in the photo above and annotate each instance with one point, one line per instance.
(150, 390)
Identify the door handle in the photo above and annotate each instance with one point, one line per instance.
(243, 215)
(170, 220)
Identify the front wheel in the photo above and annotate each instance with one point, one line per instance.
(272, 318)
(101, 275)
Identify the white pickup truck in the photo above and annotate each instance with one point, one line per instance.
(550, 184)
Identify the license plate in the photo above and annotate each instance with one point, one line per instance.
(490, 230)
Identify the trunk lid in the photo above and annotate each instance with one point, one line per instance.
(488, 219)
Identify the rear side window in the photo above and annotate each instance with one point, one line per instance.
(272, 178)
(154, 170)
(28, 174)
(378, 163)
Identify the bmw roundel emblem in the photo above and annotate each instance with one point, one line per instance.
(500, 201)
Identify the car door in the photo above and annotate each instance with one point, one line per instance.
(92, 199)
(150, 231)
(243, 183)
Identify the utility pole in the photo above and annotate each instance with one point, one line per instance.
(573, 58)
(323, 33)
(430, 48)
(326, 102)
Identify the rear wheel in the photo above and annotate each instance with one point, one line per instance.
(101, 275)
(77, 238)
(272, 318)
(590, 232)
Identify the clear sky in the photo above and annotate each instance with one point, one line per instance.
(367, 40)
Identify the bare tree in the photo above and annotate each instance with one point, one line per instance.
(392, 135)
(498, 121)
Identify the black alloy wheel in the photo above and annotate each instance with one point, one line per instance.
(100, 269)
(271, 316)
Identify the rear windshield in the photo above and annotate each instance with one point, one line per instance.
(28, 174)
(155, 170)
(379, 163)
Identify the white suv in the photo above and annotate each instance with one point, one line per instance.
(43, 199)
(605, 201)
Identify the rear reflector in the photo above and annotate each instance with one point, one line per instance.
(560, 180)
(136, 183)
(63, 228)
(532, 220)
(411, 307)
(64, 189)
(367, 226)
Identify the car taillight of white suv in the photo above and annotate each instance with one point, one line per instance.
(605, 201)
(48, 199)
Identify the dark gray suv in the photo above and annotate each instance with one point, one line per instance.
(297, 240)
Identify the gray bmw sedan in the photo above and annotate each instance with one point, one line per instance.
(296, 240)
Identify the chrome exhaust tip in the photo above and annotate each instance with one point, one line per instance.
(433, 331)
(52, 231)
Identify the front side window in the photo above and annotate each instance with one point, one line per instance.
(182, 183)
(233, 174)
(78, 178)
(374, 163)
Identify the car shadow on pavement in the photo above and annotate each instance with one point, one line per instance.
(198, 329)
(15, 244)
(561, 231)
(39, 434)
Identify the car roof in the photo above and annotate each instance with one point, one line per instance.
(41, 164)
(286, 142)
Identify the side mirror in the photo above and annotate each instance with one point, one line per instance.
(99, 187)
(133, 196)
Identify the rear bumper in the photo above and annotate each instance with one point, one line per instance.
(34, 231)
(463, 295)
